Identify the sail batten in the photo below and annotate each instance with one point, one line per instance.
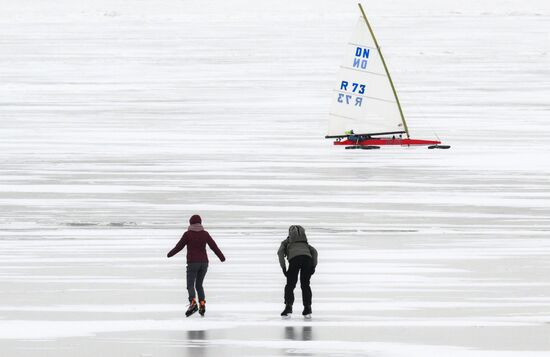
(358, 70)
(364, 99)
(359, 44)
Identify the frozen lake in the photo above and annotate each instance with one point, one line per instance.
(119, 120)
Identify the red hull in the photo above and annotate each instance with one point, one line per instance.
(387, 141)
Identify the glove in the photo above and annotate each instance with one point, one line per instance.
(284, 271)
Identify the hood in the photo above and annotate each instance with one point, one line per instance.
(296, 234)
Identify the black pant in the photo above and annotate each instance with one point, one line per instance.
(195, 277)
(304, 265)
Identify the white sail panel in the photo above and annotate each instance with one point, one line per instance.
(363, 99)
(364, 84)
(361, 52)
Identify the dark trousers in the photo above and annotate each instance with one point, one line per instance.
(195, 277)
(304, 265)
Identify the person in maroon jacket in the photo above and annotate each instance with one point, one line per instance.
(196, 239)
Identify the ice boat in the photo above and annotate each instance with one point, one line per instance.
(365, 111)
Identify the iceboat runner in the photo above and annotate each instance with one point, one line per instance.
(365, 111)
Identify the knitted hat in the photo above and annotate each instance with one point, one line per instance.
(195, 219)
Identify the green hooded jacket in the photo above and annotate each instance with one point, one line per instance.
(294, 245)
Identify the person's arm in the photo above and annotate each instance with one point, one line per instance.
(215, 248)
(178, 247)
(281, 253)
(314, 255)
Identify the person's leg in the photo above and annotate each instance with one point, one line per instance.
(306, 267)
(291, 280)
(201, 273)
(192, 270)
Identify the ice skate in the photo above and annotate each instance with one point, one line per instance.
(287, 312)
(202, 307)
(192, 308)
(307, 312)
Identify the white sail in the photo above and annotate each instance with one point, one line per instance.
(362, 98)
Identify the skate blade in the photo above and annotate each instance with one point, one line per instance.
(307, 317)
(287, 317)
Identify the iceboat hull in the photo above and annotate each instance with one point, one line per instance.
(388, 142)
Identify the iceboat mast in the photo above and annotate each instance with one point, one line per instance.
(386, 69)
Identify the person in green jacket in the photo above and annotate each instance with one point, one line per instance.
(302, 258)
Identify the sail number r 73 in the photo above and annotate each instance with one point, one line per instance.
(354, 86)
(358, 88)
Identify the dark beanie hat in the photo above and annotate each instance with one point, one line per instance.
(195, 219)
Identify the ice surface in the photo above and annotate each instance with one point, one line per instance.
(120, 119)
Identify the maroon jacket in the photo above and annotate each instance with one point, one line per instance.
(196, 246)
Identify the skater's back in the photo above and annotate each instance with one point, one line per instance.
(196, 239)
(302, 259)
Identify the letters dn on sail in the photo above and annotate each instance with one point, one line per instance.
(361, 57)
(347, 87)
